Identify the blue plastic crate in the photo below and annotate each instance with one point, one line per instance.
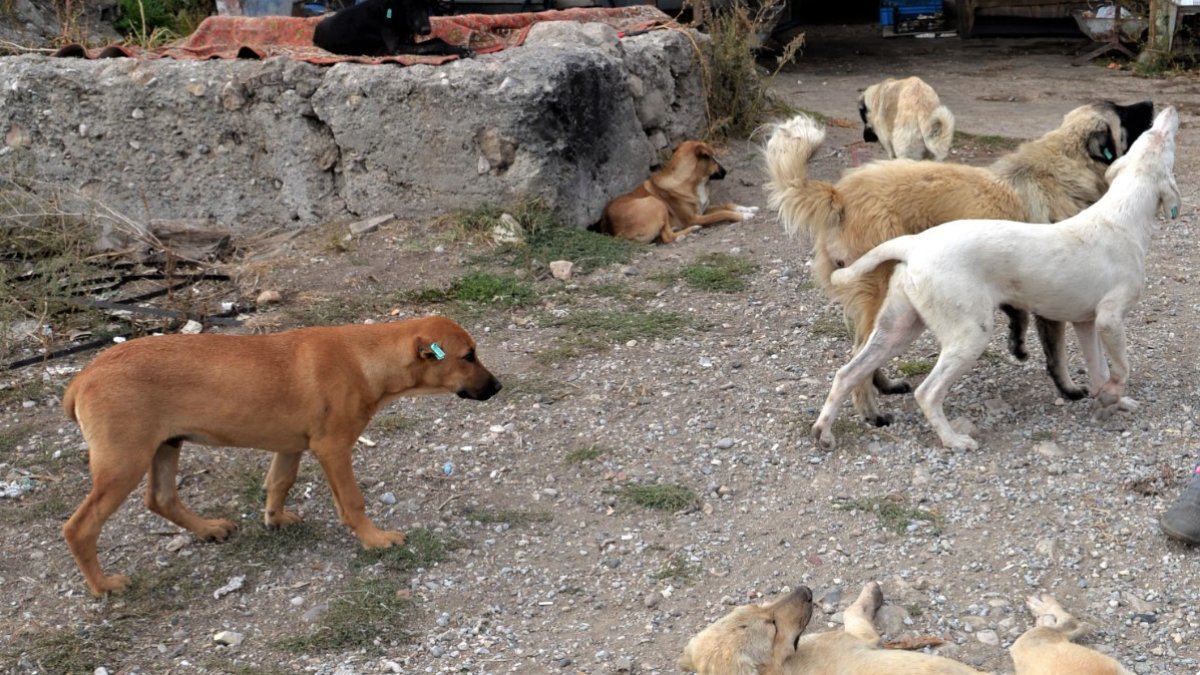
(885, 16)
(918, 9)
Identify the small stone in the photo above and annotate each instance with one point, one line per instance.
(388, 498)
(137, 114)
(191, 327)
(370, 224)
(28, 404)
(179, 541)
(725, 443)
(1048, 449)
(508, 230)
(100, 671)
(629, 271)
(228, 638)
(196, 88)
(297, 601)
(436, 651)
(650, 601)
(392, 667)
(268, 298)
(623, 665)
(988, 637)
(562, 269)
(315, 612)
(234, 584)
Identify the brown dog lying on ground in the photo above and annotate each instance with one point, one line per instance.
(765, 640)
(309, 389)
(673, 202)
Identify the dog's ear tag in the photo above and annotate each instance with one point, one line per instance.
(437, 351)
(1107, 153)
(1174, 212)
(389, 13)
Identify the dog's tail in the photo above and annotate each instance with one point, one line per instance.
(892, 249)
(68, 402)
(938, 132)
(804, 205)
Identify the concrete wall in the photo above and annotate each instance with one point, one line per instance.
(575, 117)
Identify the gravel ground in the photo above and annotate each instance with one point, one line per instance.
(556, 571)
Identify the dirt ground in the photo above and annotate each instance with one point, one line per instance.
(531, 554)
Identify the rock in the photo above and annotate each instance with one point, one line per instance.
(100, 671)
(725, 443)
(988, 637)
(388, 498)
(892, 619)
(177, 542)
(650, 601)
(1048, 449)
(573, 33)
(562, 269)
(235, 583)
(228, 638)
(964, 426)
(314, 613)
(508, 230)
(268, 298)
(370, 224)
(192, 327)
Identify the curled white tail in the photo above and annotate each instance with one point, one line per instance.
(804, 205)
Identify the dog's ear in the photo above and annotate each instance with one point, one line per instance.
(704, 152)
(1102, 147)
(428, 349)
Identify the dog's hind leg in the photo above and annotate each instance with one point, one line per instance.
(1089, 346)
(1018, 323)
(963, 336)
(1053, 337)
(1110, 323)
(113, 478)
(897, 326)
(1047, 647)
(859, 617)
(162, 497)
(280, 478)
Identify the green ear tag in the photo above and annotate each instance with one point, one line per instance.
(1174, 212)
(437, 351)
(1107, 152)
(389, 13)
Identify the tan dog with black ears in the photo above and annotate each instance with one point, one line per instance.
(673, 202)
(766, 640)
(308, 389)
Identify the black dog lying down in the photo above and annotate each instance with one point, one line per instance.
(382, 28)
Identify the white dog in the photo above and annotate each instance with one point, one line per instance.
(1087, 270)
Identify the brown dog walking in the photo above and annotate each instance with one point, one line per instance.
(308, 389)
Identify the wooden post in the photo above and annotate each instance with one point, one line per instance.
(1157, 52)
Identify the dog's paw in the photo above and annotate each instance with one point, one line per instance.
(382, 539)
(1128, 404)
(282, 519)
(114, 584)
(216, 529)
(747, 212)
(823, 435)
(960, 442)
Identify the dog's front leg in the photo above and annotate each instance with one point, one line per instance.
(1110, 323)
(334, 455)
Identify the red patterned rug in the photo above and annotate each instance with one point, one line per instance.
(261, 37)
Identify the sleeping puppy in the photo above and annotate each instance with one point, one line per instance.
(766, 640)
(907, 119)
(382, 28)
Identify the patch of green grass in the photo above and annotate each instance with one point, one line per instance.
(588, 453)
(361, 613)
(623, 325)
(250, 481)
(662, 497)
(914, 367)
(481, 288)
(986, 141)
(13, 436)
(677, 570)
(541, 390)
(50, 507)
(79, 650)
(489, 516)
(394, 422)
(616, 290)
(264, 544)
(893, 512)
(166, 589)
(849, 428)
(826, 326)
(565, 351)
(342, 310)
(22, 391)
(422, 548)
(716, 273)
(1040, 436)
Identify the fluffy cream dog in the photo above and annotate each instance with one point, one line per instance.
(766, 640)
(1088, 270)
(1043, 181)
(907, 119)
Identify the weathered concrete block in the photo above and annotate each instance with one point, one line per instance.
(283, 143)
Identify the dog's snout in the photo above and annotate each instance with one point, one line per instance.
(424, 29)
(488, 390)
(840, 263)
(869, 135)
(719, 173)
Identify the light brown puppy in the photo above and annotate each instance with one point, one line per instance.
(673, 202)
(308, 389)
(1044, 181)
(907, 119)
(766, 640)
